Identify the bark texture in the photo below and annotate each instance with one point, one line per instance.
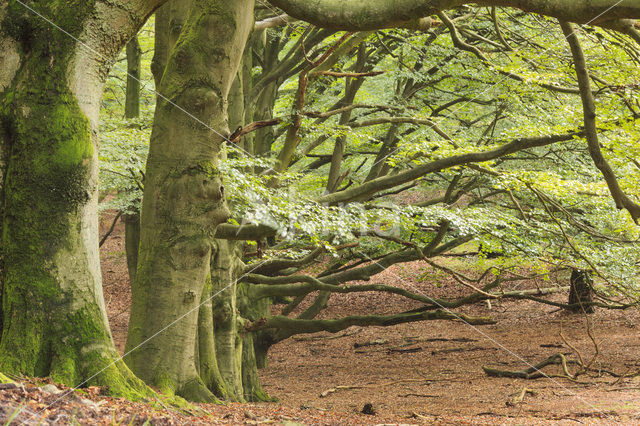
(355, 15)
(54, 320)
(581, 292)
(184, 196)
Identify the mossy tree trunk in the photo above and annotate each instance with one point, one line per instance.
(184, 197)
(219, 356)
(54, 319)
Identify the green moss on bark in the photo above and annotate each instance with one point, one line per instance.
(53, 323)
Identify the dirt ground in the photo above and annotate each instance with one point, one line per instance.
(431, 372)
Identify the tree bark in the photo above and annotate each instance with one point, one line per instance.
(351, 15)
(132, 101)
(581, 292)
(184, 197)
(54, 318)
(226, 321)
(132, 242)
(132, 110)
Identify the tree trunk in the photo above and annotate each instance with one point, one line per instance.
(54, 318)
(132, 242)
(351, 89)
(183, 197)
(581, 292)
(227, 324)
(132, 101)
(132, 110)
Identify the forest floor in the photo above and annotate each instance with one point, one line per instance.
(420, 373)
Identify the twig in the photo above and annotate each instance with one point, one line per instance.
(166, 408)
(519, 398)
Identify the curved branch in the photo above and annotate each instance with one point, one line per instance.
(354, 15)
(273, 266)
(371, 187)
(227, 231)
(298, 326)
(591, 133)
(297, 285)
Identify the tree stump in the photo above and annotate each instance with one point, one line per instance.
(581, 292)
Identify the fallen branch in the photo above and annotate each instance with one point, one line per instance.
(330, 337)
(419, 395)
(519, 397)
(304, 326)
(370, 343)
(404, 351)
(395, 382)
(535, 372)
(452, 350)
(337, 388)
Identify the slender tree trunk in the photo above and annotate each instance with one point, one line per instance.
(132, 242)
(263, 107)
(54, 318)
(184, 196)
(208, 368)
(581, 291)
(132, 110)
(132, 101)
(351, 89)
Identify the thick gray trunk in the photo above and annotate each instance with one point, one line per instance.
(183, 196)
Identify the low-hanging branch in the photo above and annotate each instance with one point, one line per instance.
(252, 232)
(273, 266)
(302, 326)
(433, 248)
(298, 285)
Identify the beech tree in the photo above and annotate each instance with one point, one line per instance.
(235, 327)
(54, 59)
